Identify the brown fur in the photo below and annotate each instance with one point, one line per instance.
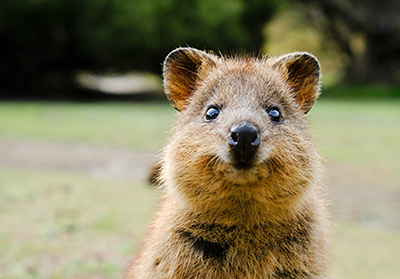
(218, 221)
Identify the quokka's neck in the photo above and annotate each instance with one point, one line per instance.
(237, 210)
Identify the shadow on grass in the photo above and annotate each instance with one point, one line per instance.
(362, 91)
(85, 96)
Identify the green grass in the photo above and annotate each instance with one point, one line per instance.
(358, 131)
(362, 253)
(355, 131)
(58, 224)
(136, 126)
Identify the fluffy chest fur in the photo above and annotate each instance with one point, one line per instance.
(195, 248)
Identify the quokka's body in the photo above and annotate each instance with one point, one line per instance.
(241, 174)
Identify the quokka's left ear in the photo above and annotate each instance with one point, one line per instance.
(183, 69)
(302, 71)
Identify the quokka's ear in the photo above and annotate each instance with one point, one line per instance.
(302, 72)
(182, 71)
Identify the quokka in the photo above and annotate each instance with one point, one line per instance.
(241, 174)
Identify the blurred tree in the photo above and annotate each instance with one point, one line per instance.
(44, 42)
(366, 31)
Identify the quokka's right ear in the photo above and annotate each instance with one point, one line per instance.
(302, 72)
(182, 71)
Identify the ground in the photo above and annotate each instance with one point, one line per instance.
(75, 201)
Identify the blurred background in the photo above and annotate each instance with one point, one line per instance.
(83, 117)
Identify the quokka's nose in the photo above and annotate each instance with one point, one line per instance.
(244, 141)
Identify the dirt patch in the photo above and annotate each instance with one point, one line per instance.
(95, 161)
(357, 193)
(364, 194)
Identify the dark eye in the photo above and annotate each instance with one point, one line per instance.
(212, 113)
(274, 114)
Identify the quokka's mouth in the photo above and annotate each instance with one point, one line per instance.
(243, 165)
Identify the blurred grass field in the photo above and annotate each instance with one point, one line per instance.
(63, 224)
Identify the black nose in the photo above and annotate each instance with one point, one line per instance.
(244, 141)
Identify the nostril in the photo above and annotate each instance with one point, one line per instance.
(234, 137)
(255, 141)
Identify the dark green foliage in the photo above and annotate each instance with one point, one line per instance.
(44, 42)
(362, 90)
(367, 32)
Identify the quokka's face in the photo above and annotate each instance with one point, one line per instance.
(241, 122)
(245, 117)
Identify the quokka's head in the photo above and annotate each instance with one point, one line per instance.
(241, 119)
